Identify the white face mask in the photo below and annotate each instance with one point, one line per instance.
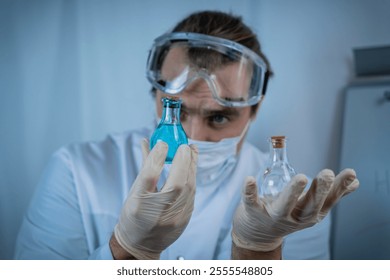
(216, 160)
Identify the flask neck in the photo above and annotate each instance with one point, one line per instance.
(171, 111)
(279, 154)
(278, 149)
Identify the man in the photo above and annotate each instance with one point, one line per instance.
(99, 200)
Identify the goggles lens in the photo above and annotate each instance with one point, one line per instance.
(234, 74)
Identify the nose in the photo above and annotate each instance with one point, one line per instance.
(196, 129)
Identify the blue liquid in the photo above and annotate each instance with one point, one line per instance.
(173, 135)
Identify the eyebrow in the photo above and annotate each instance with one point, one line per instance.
(223, 111)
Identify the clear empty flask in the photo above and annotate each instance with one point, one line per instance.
(278, 170)
(169, 129)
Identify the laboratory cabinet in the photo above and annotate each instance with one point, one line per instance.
(361, 221)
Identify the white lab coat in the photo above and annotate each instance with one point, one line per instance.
(80, 195)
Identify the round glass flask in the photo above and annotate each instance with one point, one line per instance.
(278, 169)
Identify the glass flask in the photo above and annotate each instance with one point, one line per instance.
(278, 170)
(170, 129)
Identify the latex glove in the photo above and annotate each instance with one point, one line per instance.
(260, 225)
(151, 221)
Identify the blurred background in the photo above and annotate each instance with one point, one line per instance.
(75, 70)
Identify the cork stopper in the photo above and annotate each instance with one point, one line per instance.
(278, 141)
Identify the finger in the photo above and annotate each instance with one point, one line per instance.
(191, 182)
(250, 192)
(310, 204)
(150, 172)
(179, 174)
(287, 200)
(145, 149)
(344, 183)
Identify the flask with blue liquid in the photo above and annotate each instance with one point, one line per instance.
(170, 129)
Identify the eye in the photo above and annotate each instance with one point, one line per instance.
(218, 120)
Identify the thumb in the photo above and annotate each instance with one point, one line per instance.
(145, 149)
(250, 192)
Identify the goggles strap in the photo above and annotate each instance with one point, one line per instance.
(266, 78)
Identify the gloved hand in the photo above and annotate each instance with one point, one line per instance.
(260, 224)
(151, 221)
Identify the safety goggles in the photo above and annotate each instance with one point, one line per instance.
(235, 75)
